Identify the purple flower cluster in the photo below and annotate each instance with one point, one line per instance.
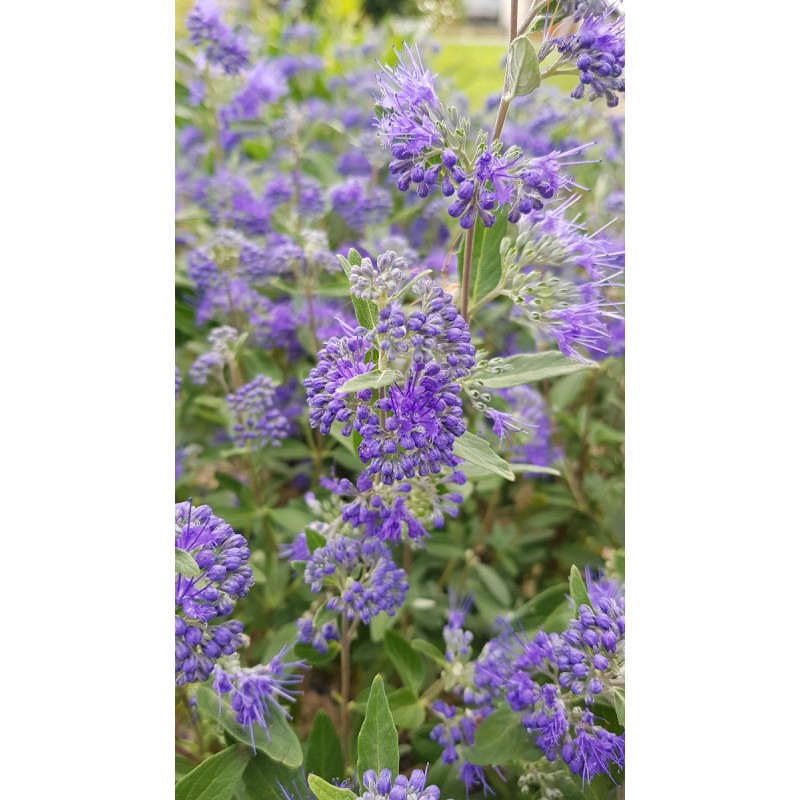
(457, 725)
(598, 51)
(382, 787)
(583, 662)
(197, 648)
(456, 729)
(566, 283)
(359, 575)
(428, 151)
(257, 415)
(385, 512)
(420, 422)
(580, 325)
(586, 652)
(221, 45)
(410, 428)
(221, 556)
(256, 691)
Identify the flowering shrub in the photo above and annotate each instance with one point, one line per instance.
(399, 396)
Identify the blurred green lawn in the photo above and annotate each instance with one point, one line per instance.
(473, 64)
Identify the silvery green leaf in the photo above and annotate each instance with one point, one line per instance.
(374, 379)
(475, 450)
(523, 68)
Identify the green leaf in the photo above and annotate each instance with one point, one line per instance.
(325, 614)
(486, 263)
(619, 564)
(598, 788)
(324, 791)
(185, 565)
(366, 310)
(308, 653)
(407, 663)
(216, 778)
(377, 740)
(494, 583)
(530, 367)
(282, 746)
(543, 603)
(379, 625)
(324, 751)
(429, 650)
(577, 589)
(522, 469)
(476, 451)
(618, 696)
(262, 776)
(314, 539)
(523, 68)
(500, 739)
(407, 711)
(374, 379)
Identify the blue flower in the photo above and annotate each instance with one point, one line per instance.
(358, 575)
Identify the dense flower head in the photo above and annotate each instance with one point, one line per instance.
(178, 382)
(598, 51)
(341, 359)
(554, 678)
(255, 692)
(590, 653)
(388, 276)
(427, 144)
(220, 44)
(410, 427)
(591, 749)
(198, 647)
(422, 419)
(382, 787)
(406, 102)
(257, 416)
(359, 575)
(222, 557)
(409, 507)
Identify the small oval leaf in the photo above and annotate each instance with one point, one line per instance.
(523, 67)
(185, 565)
(374, 379)
(474, 450)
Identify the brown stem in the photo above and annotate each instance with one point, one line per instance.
(502, 112)
(512, 26)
